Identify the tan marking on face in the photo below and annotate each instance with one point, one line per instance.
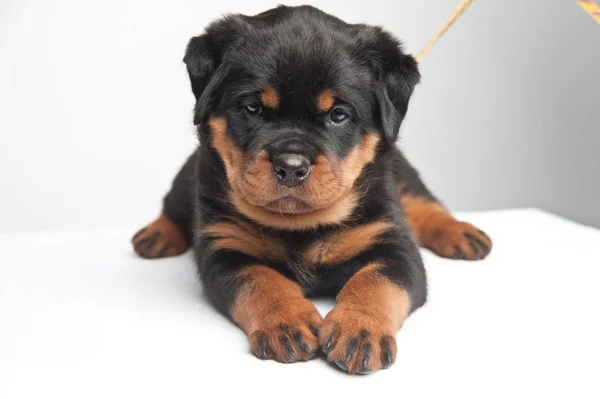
(245, 176)
(326, 100)
(360, 156)
(269, 98)
(258, 177)
(334, 214)
(232, 157)
(327, 197)
(289, 206)
(239, 236)
(344, 245)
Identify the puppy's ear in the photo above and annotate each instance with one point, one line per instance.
(396, 75)
(205, 54)
(201, 62)
(394, 92)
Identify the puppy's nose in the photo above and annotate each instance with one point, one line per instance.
(291, 170)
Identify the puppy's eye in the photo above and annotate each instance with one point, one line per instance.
(254, 108)
(338, 115)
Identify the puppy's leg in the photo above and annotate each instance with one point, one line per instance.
(359, 334)
(279, 321)
(432, 225)
(170, 233)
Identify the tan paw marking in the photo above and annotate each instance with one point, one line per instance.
(160, 239)
(436, 229)
(460, 240)
(287, 336)
(280, 323)
(357, 342)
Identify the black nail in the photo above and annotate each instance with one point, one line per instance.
(351, 349)
(341, 365)
(387, 356)
(147, 241)
(263, 347)
(288, 347)
(150, 244)
(263, 352)
(366, 358)
(163, 251)
(141, 242)
(477, 241)
(331, 341)
(328, 344)
(261, 342)
(459, 254)
(313, 329)
(300, 343)
(483, 234)
(475, 249)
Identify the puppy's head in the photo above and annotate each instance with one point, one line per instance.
(296, 103)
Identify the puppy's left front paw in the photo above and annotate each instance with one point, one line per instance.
(356, 341)
(460, 240)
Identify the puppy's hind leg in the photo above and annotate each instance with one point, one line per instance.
(170, 234)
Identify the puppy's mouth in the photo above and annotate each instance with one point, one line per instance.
(259, 186)
(256, 183)
(289, 205)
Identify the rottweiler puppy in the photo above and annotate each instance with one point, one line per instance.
(297, 189)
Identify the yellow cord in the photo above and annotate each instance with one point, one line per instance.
(588, 5)
(457, 13)
(591, 8)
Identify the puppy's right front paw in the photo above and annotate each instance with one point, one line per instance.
(287, 336)
(160, 239)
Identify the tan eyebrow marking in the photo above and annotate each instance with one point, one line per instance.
(269, 98)
(325, 100)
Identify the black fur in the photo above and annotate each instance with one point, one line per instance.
(300, 51)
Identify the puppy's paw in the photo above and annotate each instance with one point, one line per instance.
(460, 240)
(357, 342)
(287, 336)
(160, 239)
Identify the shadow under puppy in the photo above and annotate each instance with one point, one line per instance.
(297, 188)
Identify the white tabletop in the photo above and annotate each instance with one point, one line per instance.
(82, 317)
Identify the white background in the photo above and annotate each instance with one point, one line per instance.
(82, 317)
(95, 105)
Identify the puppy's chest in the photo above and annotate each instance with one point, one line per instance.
(307, 256)
(312, 257)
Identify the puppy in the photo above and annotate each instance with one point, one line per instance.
(298, 190)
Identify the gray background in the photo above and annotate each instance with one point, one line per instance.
(506, 116)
